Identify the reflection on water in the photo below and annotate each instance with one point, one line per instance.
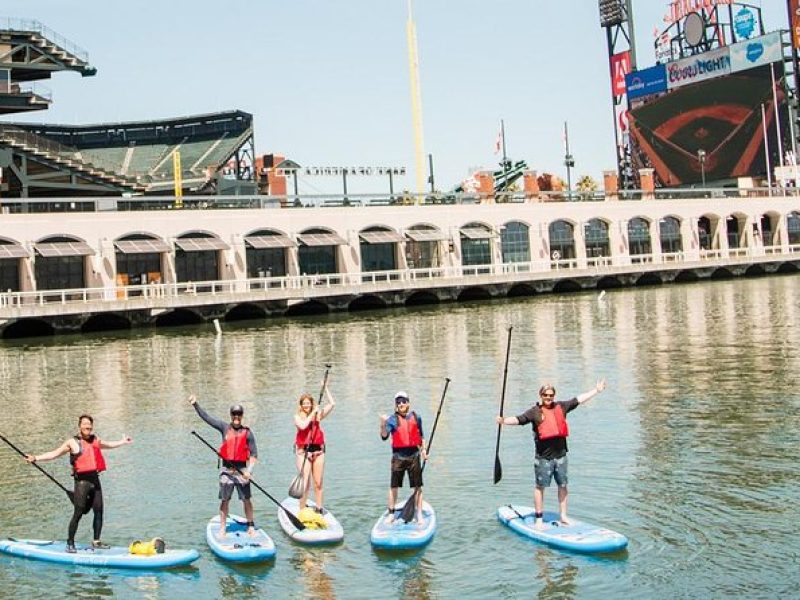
(558, 580)
(311, 566)
(693, 451)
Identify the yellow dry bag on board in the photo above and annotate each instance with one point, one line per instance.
(154, 546)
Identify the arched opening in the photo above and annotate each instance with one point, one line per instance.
(28, 328)
(596, 239)
(754, 271)
(178, 317)
(669, 229)
(561, 239)
(515, 242)
(423, 247)
(476, 246)
(139, 258)
(793, 227)
(310, 307)
(266, 253)
(566, 286)
(61, 263)
(787, 268)
(733, 227)
(521, 290)
(11, 255)
(705, 233)
(105, 322)
(422, 298)
(366, 302)
(639, 238)
(245, 312)
(607, 283)
(378, 247)
(769, 229)
(473, 293)
(197, 256)
(649, 279)
(318, 251)
(721, 273)
(686, 277)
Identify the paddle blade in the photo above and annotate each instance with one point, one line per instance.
(295, 521)
(71, 496)
(498, 469)
(296, 487)
(409, 508)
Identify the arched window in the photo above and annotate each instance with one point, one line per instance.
(476, 247)
(197, 257)
(317, 254)
(265, 253)
(378, 246)
(596, 239)
(639, 237)
(139, 259)
(793, 227)
(423, 247)
(670, 232)
(61, 263)
(561, 236)
(515, 242)
(10, 255)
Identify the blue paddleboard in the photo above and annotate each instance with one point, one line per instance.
(399, 535)
(237, 546)
(330, 534)
(577, 537)
(114, 557)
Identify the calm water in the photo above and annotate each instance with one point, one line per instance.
(693, 451)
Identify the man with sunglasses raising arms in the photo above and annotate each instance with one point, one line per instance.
(239, 456)
(549, 421)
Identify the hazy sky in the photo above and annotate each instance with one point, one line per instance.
(327, 80)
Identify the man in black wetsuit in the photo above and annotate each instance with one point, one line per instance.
(86, 458)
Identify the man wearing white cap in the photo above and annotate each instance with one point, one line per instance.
(408, 446)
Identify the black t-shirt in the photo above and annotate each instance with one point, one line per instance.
(554, 447)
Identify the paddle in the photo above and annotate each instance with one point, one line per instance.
(295, 521)
(70, 494)
(297, 487)
(498, 468)
(409, 507)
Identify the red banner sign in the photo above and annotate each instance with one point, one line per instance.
(620, 66)
(795, 8)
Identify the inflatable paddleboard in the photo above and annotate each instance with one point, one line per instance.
(399, 535)
(114, 557)
(577, 537)
(330, 534)
(237, 546)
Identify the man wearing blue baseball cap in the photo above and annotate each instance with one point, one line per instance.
(408, 446)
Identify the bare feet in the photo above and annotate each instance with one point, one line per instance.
(222, 533)
(538, 524)
(565, 521)
(251, 532)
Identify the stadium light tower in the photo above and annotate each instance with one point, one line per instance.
(616, 17)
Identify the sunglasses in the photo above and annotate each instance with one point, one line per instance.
(548, 395)
(237, 414)
(404, 401)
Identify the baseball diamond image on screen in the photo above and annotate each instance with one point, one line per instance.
(721, 116)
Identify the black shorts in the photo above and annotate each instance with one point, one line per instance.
(402, 464)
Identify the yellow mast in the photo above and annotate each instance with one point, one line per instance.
(416, 103)
(177, 172)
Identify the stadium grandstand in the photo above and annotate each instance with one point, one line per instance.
(213, 152)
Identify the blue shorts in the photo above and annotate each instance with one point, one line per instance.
(545, 469)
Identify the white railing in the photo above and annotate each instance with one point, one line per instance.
(308, 286)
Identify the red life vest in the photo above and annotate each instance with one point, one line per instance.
(90, 458)
(312, 434)
(234, 447)
(553, 425)
(407, 433)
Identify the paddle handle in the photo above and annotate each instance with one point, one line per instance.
(436, 421)
(45, 473)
